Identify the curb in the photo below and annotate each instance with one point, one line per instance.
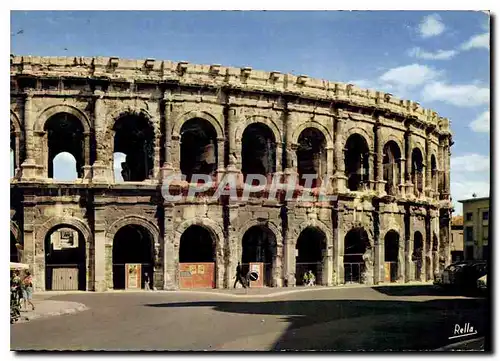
(222, 293)
(68, 311)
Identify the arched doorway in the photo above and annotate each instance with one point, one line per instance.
(132, 245)
(392, 167)
(311, 255)
(418, 249)
(356, 246)
(434, 174)
(356, 162)
(14, 253)
(311, 156)
(417, 171)
(258, 151)
(64, 134)
(134, 137)
(391, 256)
(259, 246)
(65, 259)
(197, 258)
(199, 153)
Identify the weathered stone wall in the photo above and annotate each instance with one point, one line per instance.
(98, 91)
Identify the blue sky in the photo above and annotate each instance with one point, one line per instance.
(441, 59)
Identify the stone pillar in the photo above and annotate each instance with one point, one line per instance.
(329, 168)
(100, 168)
(401, 184)
(371, 171)
(409, 182)
(339, 157)
(86, 167)
(29, 166)
(167, 168)
(170, 250)
(447, 154)
(379, 165)
(428, 168)
(100, 259)
(289, 256)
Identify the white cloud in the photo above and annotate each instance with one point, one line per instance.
(438, 55)
(431, 25)
(464, 190)
(482, 123)
(462, 95)
(472, 162)
(477, 41)
(410, 75)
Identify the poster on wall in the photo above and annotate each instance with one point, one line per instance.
(133, 276)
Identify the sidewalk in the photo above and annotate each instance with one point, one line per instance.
(48, 308)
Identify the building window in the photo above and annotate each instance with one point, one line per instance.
(469, 252)
(485, 232)
(469, 234)
(486, 215)
(485, 252)
(468, 216)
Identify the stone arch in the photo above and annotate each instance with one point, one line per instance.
(14, 119)
(14, 229)
(70, 221)
(41, 235)
(361, 132)
(397, 140)
(238, 134)
(47, 113)
(417, 145)
(313, 223)
(272, 227)
(133, 220)
(217, 235)
(316, 125)
(211, 226)
(193, 114)
(131, 111)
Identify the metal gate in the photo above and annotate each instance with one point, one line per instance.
(302, 267)
(353, 272)
(391, 271)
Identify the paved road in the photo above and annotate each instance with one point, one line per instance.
(382, 318)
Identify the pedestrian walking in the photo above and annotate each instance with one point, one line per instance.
(27, 289)
(146, 282)
(239, 277)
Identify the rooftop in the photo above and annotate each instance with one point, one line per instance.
(475, 199)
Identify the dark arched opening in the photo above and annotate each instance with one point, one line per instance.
(132, 245)
(311, 156)
(259, 246)
(434, 174)
(418, 250)
(65, 134)
(391, 255)
(198, 148)
(134, 137)
(356, 245)
(417, 170)
(258, 150)
(65, 259)
(356, 162)
(435, 260)
(392, 167)
(311, 255)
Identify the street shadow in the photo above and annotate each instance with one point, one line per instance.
(361, 325)
(427, 290)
